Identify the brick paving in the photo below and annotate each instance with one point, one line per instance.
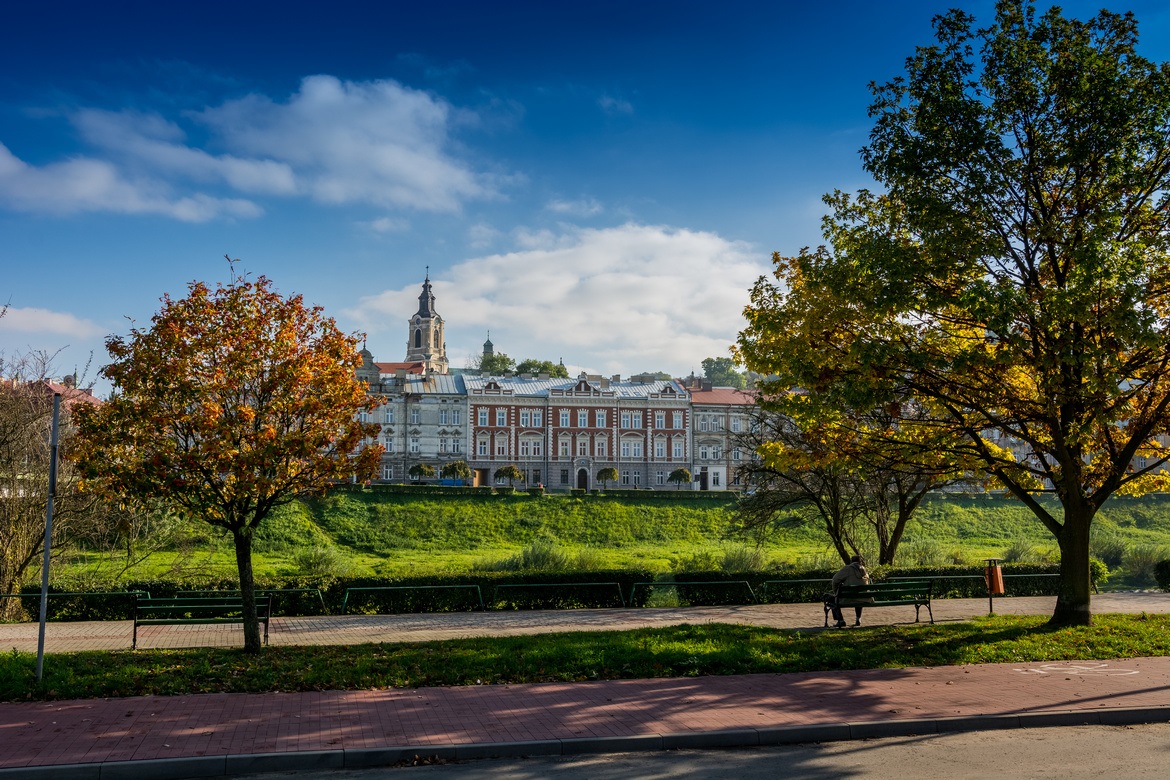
(96, 732)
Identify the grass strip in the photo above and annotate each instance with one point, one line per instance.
(675, 651)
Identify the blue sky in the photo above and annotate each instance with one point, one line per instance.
(597, 182)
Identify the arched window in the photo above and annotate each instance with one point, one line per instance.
(417, 338)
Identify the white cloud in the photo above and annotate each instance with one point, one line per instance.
(339, 142)
(151, 141)
(614, 106)
(33, 320)
(585, 207)
(481, 235)
(375, 142)
(388, 225)
(83, 184)
(621, 299)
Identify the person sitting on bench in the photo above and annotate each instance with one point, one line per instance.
(853, 573)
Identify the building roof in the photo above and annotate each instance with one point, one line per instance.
(432, 384)
(411, 367)
(723, 396)
(546, 388)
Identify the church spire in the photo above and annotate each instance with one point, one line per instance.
(426, 299)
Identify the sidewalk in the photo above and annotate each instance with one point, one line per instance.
(218, 734)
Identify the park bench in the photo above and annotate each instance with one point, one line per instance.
(890, 593)
(188, 610)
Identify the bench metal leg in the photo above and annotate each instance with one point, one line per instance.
(134, 641)
(931, 613)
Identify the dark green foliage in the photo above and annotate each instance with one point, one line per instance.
(1162, 574)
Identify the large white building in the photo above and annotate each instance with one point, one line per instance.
(561, 433)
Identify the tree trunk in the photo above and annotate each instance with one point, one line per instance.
(1072, 602)
(243, 537)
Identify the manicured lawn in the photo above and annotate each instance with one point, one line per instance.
(664, 652)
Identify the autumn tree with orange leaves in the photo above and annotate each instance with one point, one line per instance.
(234, 401)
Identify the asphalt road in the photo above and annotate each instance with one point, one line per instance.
(1069, 753)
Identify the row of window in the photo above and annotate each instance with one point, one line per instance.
(447, 444)
(446, 416)
(534, 418)
(714, 422)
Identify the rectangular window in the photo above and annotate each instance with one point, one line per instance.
(715, 478)
(456, 416)
(525, 448)
(599, 417)
(501, 417)
(564, 448)
(363, 417)
(387, 472)
(483, 417)
(456, 445)
(537, 448)
(660, 419)
(482, 451)
(582, 418)
(703, 424)
(443, 415)
(735, 425)
(625, 419)
(564, 418)
(583, 447)
(637, 478)
(535, 477)
(443, 442)
(625, 449)
(525, 419)
(637, 449)
(678, 450)
(677, 420)
(564, 476)
(660, 449)
(636, 419)
(501, 447)
(600, 448)
(537, 418)
(659, 477)
(415, 446)
(735, 455)
(389, 414)
(703, 452)
(625, 477)
(414, 416)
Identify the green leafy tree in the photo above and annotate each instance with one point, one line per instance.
(511, 472)
(422, 471)
(495, 364)
(607, 475)
(679, 477)
(1014, 276)
(233, 402)
(537, 367)
(721, 372)
(456, 469)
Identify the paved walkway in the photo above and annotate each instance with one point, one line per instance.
(214, 735)
(356, 629)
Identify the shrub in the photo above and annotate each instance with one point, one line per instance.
(1110, 550)
(1140, 563)
(1162, 574)
(1098, 572)
(743, 558)
(1021, 551)
(923, 552)
(321, 562)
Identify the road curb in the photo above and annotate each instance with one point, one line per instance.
(258, 763)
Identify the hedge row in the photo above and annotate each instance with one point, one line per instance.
(487, 490)
(1162, 575)
(543, 590)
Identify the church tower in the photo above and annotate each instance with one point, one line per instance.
(425, 343)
